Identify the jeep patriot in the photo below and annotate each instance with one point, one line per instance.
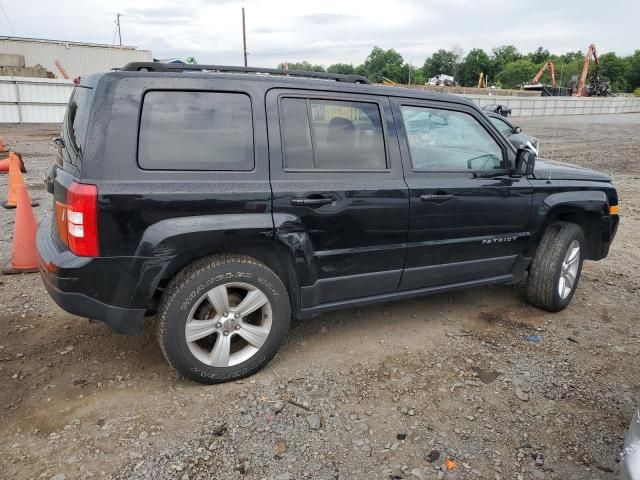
(225, 200)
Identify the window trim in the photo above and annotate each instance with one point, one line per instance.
(505, 160)
(188, 90)
(331, 98)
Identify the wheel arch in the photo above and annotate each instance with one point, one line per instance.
(587, 209)
(171, 245)
(263, 250)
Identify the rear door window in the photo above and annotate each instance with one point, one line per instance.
(196, 131)
(332, 135)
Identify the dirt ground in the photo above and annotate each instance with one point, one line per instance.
(391, 391)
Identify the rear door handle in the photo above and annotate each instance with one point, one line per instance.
(436, 197)
(311, 202)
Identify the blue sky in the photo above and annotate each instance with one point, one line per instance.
(330, 31)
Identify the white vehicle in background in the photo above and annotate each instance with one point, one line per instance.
(443, 79)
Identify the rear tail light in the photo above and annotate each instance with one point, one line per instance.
(78, 219)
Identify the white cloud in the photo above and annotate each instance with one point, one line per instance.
(332, 30)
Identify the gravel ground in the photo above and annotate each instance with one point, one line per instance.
(448, 386)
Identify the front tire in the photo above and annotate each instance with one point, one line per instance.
(223, 318)
(556, 268)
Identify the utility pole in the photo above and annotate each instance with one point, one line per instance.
(118, 26)
(244, 38)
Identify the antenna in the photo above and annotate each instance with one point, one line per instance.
(244, 38)
(118, 27)
(555, 118)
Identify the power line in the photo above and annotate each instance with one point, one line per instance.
(7, 18)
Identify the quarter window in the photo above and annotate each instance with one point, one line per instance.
(196, 131)
(332, 134)
(444, 140)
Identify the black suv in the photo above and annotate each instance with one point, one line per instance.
(226, 200)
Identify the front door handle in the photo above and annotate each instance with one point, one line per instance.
(434, 197)
(311, 202)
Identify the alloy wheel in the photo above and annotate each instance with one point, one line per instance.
(228, 324)
(569, 270)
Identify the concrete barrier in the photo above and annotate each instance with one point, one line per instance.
(503, 92)
(537, 106)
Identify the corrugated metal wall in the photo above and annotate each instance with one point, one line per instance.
(33, 100)
(76, 58)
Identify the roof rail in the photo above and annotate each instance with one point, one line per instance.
(183, 67)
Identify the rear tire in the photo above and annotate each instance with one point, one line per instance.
(556, 268)
(223, 318)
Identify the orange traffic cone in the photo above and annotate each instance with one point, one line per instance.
(24, 254)
(4, 164)
(15, 180)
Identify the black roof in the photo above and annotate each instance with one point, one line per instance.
(279, 77)
(187, 67)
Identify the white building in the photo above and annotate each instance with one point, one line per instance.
(76, 58)
(26, 99)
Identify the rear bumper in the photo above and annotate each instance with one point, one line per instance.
(104, 289)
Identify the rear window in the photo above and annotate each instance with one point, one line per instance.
(76, 121)
(196, 131)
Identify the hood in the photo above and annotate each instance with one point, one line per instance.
(565, 171)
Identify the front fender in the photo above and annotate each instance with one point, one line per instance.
(585, 200)
(594, 203)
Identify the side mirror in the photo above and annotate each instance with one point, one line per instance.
(525, 162)
(517, 129)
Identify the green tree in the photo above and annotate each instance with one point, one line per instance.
(540, 56)
(516, 73)
(304, 65)
(343, 68)
(571, 56)
(417, 76)
(385, 63)
(633, 74)
(501, 56)
(468, 71)
(614, 69)
(360, 70)
(442, 61)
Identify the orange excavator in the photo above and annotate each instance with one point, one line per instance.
(549, 65)
(581, 90)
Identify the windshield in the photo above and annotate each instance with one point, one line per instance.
(501, 125)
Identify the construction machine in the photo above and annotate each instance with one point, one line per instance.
(581, 89)
(482, 80)
(549, 65)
